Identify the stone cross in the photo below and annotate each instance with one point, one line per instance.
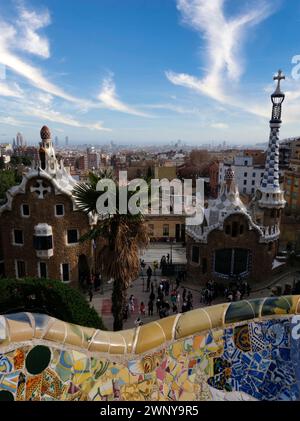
(40, 190)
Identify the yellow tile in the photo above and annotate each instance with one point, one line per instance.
(216, 314)
(117, 344)
(19, 331)
(150, 336)
(56, 332)
(195, 321)
(100, 342)
(167, 324)
(128, 336)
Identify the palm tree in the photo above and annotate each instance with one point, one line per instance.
(120, 237)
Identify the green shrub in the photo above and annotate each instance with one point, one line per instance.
(49, 297)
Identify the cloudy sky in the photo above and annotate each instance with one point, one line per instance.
(147, 71)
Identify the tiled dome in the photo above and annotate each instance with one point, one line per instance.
(45, 133)
(229, 174)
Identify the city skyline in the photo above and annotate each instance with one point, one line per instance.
(87, 74)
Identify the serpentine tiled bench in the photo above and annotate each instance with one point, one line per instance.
(226, 351)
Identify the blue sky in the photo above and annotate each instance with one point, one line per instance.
(147, 71)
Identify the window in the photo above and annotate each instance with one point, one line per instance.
(252, 190)
(151, 230)
(18, 237)
(72, 236)
(253, 174)
(20, 269)
(245, 174)
(25, 210)
(244, 190)
(165, 230)
(42, 242)
(42, 270)
(65, 270)
(245, 182)
(59, 210)
(234, 232)
(253, 182)
(195, 254)
(245, 163)
(262, 174)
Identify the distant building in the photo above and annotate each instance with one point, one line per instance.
(93, 159)
(248, 176)
(168, 172)
(82, 163)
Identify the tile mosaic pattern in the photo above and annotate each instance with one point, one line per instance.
(206, 354)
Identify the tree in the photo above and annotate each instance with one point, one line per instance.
(120, 236)
(49, 297)
(2, 163)
(8, 178)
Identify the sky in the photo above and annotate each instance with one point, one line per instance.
(147, 71)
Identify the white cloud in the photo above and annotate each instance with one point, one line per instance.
(224, 38)
(180, 109)
(109, 99)
(219, 126)
(57, 117)
(10, 90)
(29, 23)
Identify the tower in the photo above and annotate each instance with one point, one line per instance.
(47, 156)
(269, 196)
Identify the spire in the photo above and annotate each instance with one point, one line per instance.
(48, 161)
(270, 188)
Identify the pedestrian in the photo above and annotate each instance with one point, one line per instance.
(168, 258)
(152, 296)
(184, 307)
(174, 308)
(131, 303)
(238, 295)
(158, 305)
(167, 287)
(150, 308)
(149, 272)
(178, 298)
(183, 294)
(142, 309)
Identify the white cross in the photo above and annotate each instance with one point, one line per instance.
(40, 190)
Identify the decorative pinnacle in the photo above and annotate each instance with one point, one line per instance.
(279, 77)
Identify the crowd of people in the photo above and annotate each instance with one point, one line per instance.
(235, 290)
(167, 298)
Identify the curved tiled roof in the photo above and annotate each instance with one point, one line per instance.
(23, 327)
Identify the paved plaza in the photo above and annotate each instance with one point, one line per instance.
(102, 301)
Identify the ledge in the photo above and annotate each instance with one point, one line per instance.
(24, 327)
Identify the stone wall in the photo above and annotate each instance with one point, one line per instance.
(43, 211)
(233, 351)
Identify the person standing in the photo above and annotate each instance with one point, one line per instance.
(150, 308)
(142, 309)
(149, 274)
